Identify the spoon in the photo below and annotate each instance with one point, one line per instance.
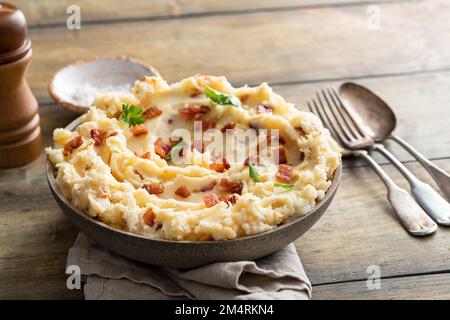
(379, 122)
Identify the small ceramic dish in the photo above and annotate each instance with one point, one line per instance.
(75, 86)
(188, 254)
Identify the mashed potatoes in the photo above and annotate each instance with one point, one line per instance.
(124, 166)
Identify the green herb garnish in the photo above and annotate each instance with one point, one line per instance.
(132, 115)
(253, 173)
(222, 98)
(176, 148)
(286, 186)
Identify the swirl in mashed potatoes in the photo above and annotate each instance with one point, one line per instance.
(122, 176)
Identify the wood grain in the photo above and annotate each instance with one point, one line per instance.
(44, 12)
(290, 46)
(417, 287)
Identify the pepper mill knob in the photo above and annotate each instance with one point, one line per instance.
(20, 133)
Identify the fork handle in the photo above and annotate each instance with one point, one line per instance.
(410, 214)
(441, 177)
(431, 201)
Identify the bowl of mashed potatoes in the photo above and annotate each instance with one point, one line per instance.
(193, 172)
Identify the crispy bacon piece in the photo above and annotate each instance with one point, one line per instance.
(149, 217)
(231, 186)
(169, 121)
(263, 108)
(220, 166)
(152, 112)
(208, 187)
(72, 144)
(208, 124)
(228, 126)
(285, 173)
(183, 191)
(282, 157)
(139, 130)
(162, 149)
(98, 135)
(117, 114)
(193, 112)
(145, 155)
(252, 160)
(154, 188)
(210, 200)
(228, 199)
(136, 171)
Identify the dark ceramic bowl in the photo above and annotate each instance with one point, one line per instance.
(188, 254)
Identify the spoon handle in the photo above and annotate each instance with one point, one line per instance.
(410, 214)
(429, 200)
(441, 177)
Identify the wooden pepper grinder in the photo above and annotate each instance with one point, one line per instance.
(20, 133)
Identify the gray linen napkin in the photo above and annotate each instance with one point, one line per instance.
(111, 276)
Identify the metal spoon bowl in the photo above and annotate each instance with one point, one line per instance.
(379, 121)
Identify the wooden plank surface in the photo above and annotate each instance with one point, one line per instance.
(45, 12)
(413, 36)
(418, 287)
(298, 48)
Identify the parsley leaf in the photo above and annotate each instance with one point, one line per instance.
(253, 173)
(132, 115)
(222, 98)
(176, 149)
(287, 186)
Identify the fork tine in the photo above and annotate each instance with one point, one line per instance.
(347, 114)
(337, 116)
(347, 118)
(317, 111)
(332, 122)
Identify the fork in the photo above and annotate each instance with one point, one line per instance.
(354, 142)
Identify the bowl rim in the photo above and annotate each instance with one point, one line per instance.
(50, 168)
(80, 108)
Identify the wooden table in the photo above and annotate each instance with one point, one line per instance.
(295, 45)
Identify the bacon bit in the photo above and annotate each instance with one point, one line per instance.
(231, 186)
(285, 173)
(281, 140)
(183, 192)
(243, 98)
(72, 144)
(138, 173)
(193, 112)
(162, 149)
(169, 121)
(210, 200)
(208, 187)
(154, 188)
(98, 135)
(230, 126)
(195, 94)
(117, 114)
(229, 199)
(282, 157)
(149, 217)
(263, 108)
(139, 130)
(220, 166)
(151, 113)
(145, 155)
(252, 160)
(208, 124)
